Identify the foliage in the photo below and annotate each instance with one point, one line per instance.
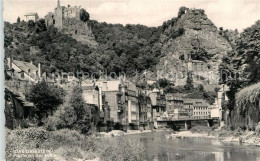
(182, 11)
(247, 96)
(56, 51)
(45, 97)
(18, 20)
(121, 48)
(84, 15)
(23, 139)
(189, 81)
(68, 144)
(127, 48)
(176, 33)
(248, 48)
(193, 93)
(120, 149)
(163, 83)
(65, 144)
(73, 114)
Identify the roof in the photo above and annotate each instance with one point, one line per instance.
(89, 87)
(111, 85)
(195, 102)
(131, 86)
(31, 14)
(24, 66)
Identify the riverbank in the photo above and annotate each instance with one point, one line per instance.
(224, 135)
(188, 134)
(114, 133)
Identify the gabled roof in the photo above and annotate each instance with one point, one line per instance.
(24, 66)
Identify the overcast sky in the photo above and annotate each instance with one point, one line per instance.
(230, 14)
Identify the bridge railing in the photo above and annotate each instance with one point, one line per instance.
(183, 118)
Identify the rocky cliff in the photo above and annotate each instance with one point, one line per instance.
(193, 35)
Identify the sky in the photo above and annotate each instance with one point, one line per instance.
(229, 14)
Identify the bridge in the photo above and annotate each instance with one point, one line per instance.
(186, 122)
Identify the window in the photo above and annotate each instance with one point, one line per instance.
(22, 74)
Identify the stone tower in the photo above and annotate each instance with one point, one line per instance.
(58, 16)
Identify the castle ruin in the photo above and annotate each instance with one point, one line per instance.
(61, 14)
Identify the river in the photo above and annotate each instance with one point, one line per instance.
(159, 148)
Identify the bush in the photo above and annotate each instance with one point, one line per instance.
(67, 144)
(73, 114)
(120, 149)
(118, 126)
(70, 144)
(23, 139)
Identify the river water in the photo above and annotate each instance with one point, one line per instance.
(159, 148)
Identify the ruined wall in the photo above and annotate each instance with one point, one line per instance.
(79, 31)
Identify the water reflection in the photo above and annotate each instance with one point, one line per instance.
(158, 148)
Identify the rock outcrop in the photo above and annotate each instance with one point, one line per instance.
(193, 35)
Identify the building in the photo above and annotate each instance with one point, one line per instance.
(196, 65)
(214, 110)
(200, 109)
(21, 70)
(173, 105)
(145, 109)
(62, 14)
(19, 75)
(188, 106)
(122, 97)
(94, 96)
(31, 16)
(158, 102)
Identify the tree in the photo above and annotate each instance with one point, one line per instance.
(46, 98)
(201, 88)
(40, 26)
(74, 113)
(18, 20)
(84, 15)
(182, 11)
(163, 83)
(189, 81)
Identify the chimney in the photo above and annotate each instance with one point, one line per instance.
(39, 70)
